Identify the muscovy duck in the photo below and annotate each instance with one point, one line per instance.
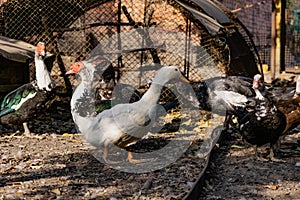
(222, 95)
(265, 123)
(107, 91)
(24, 102)
(125, 123)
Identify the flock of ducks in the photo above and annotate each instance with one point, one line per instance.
(262, 119)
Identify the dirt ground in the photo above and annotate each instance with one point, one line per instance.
(235, 173)
(55, 163)
(60, 167)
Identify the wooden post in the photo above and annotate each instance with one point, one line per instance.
(282, 35)
(273, 42)
(276, 37)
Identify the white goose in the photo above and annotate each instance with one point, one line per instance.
(123, 124)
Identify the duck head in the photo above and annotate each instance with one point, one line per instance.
(257, 81)
(85, 65)
(40, 51)
(168, 74)
(259, 87)
(90, 72)
(76, 67)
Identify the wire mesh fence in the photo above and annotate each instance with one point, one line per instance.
(256, 16)
(73, 29)
(292, 48)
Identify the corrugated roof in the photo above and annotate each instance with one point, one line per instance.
(210, 24)
(211, 9)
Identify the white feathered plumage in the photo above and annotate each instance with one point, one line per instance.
(123, 124)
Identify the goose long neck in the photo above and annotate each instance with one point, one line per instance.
(42, 75)
(83, 105)
(153, 93)
(83, 101)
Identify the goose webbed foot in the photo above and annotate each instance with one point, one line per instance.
(131, 159)
(135, 161)
(110, 162)
(105, 157)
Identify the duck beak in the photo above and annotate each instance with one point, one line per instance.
(255, 85)
(75, 68)
(184, 79)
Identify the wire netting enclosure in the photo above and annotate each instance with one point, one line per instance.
(167, 32)
(256, 16)
(292, 48)
(136, 37)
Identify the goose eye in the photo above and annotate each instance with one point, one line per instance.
(176, 69)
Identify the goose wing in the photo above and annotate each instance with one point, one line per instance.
(237, 84)
(131, 117)
(15, 99)
(122, 125)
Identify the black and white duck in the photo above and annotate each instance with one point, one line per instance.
(265, 122)
(25, 102)
(284, 89)
(222, 95)
(125, 123)
(260, 120)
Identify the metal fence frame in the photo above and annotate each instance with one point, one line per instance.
(72, 29)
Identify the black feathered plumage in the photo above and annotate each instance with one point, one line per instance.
(207, 92)
(267, 121)
(29, 108)
(222, 95)
(264, 124)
